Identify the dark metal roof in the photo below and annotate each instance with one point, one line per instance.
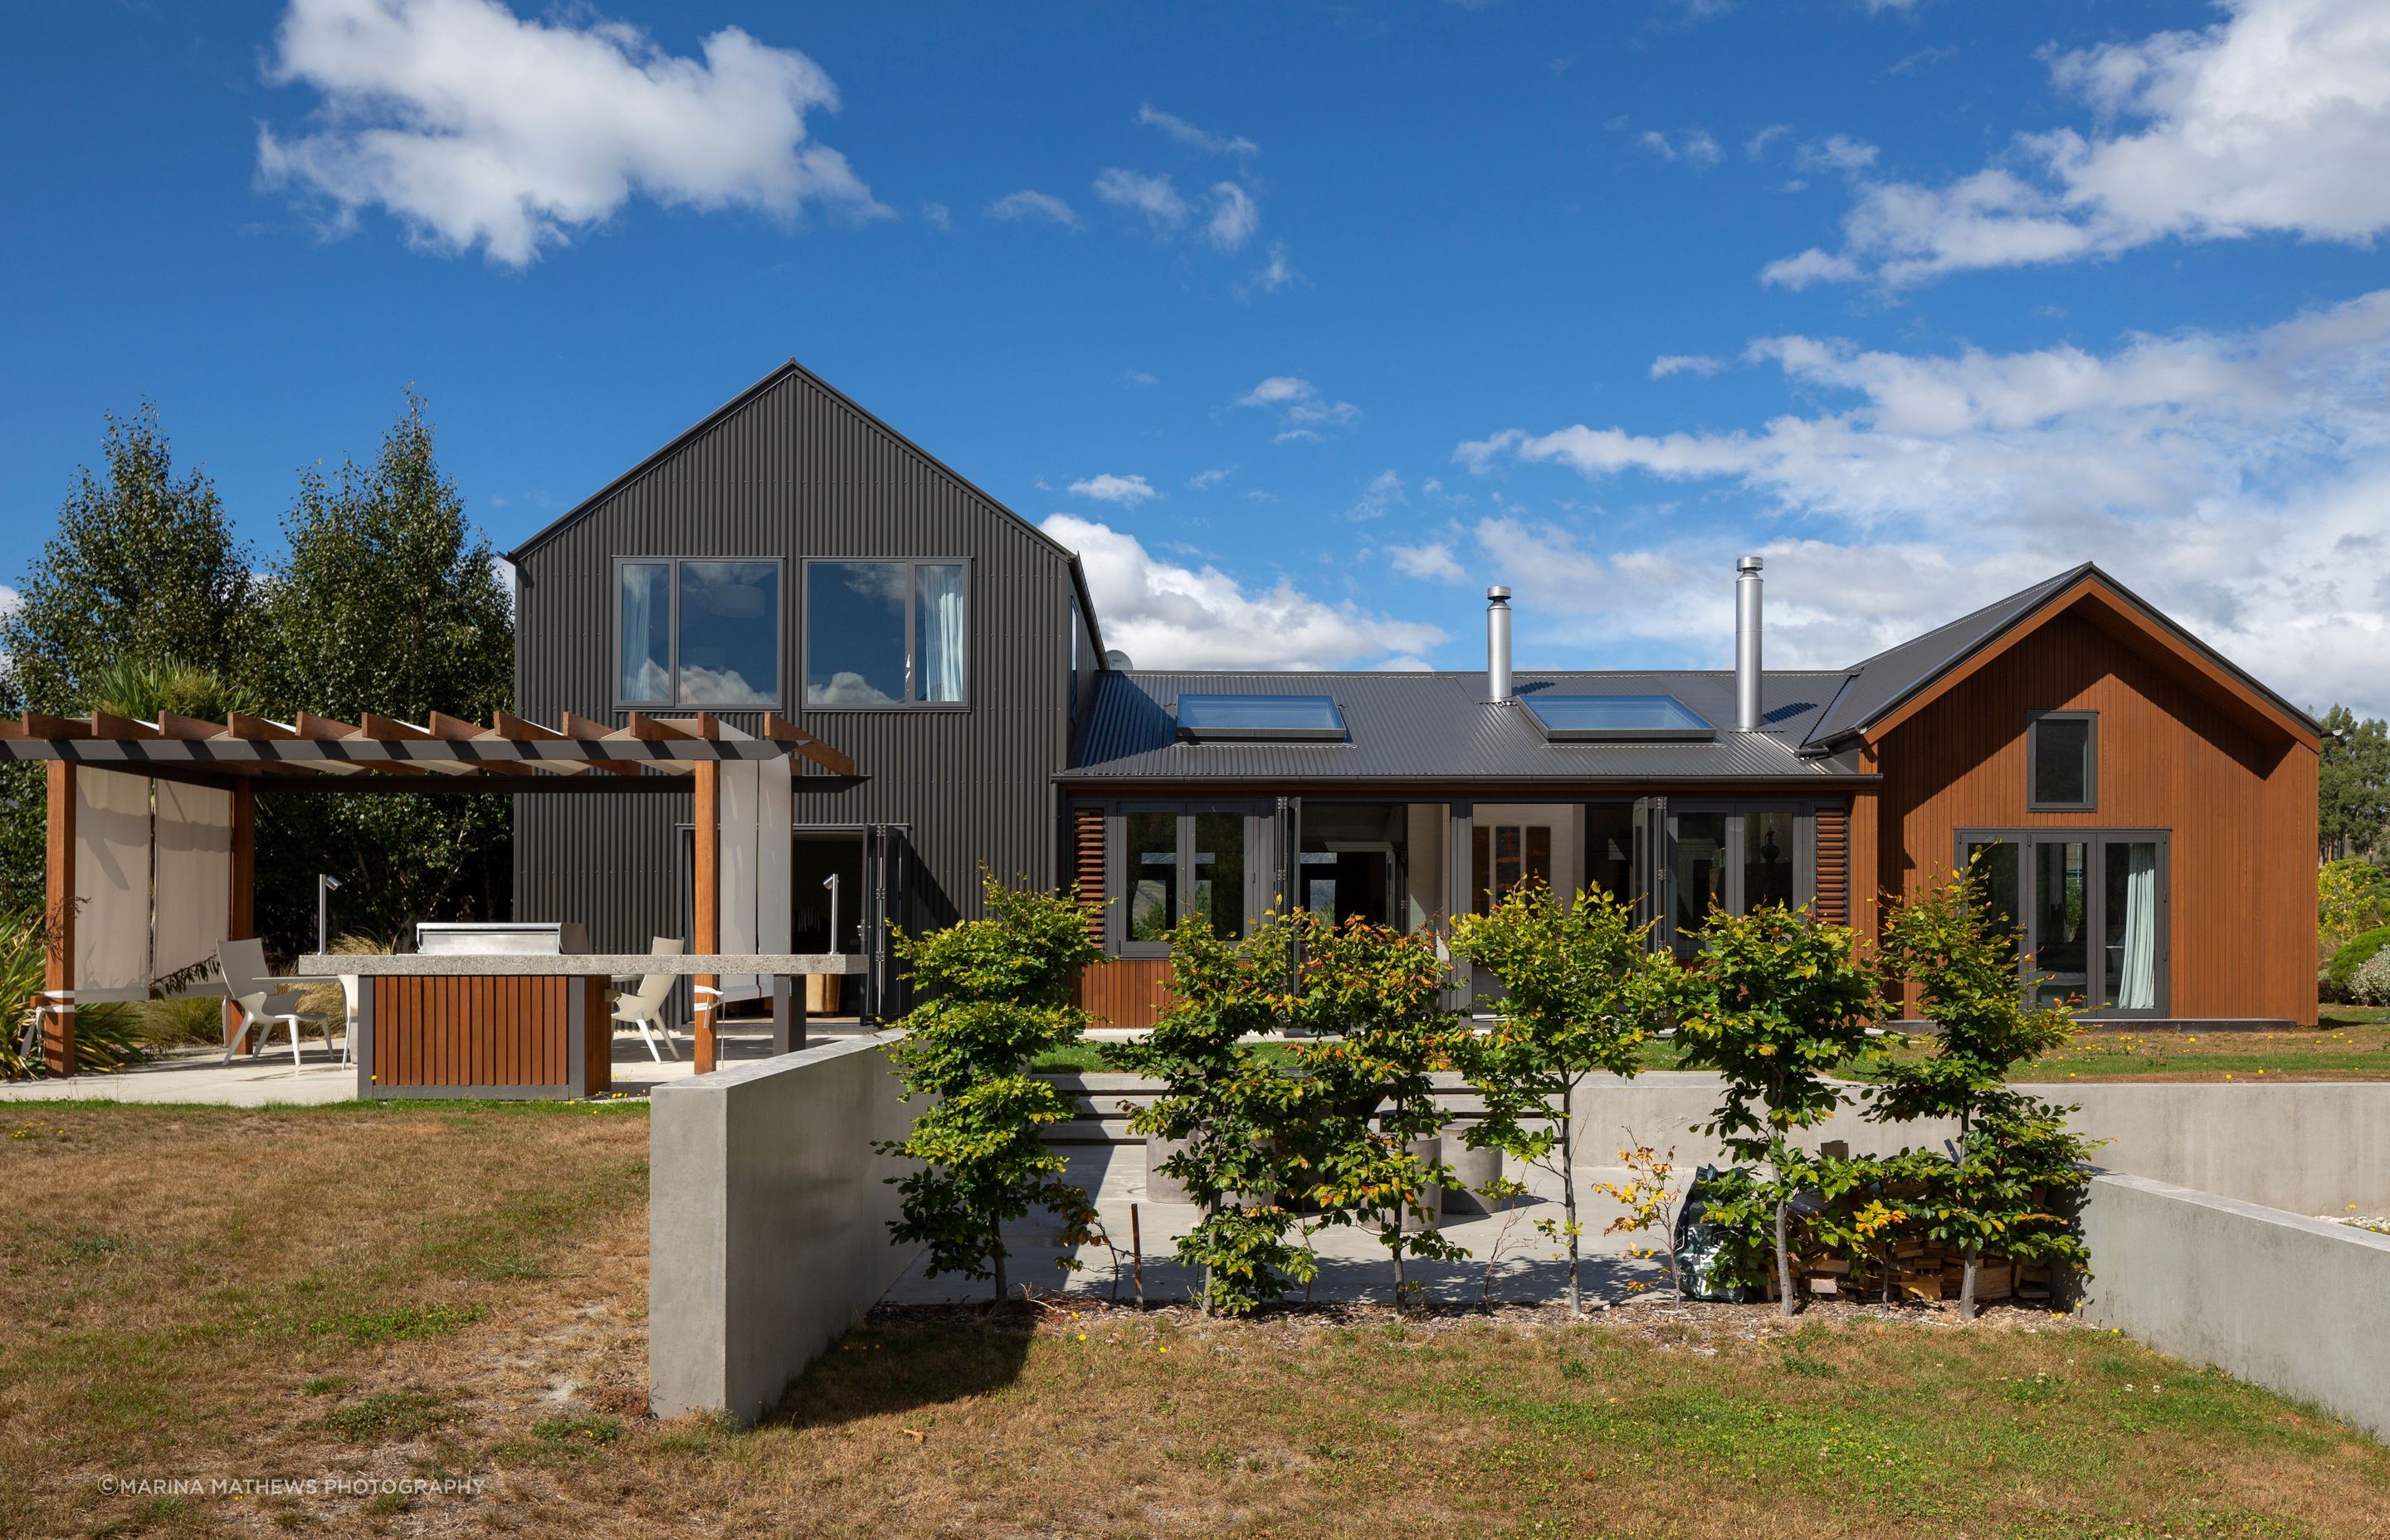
(1439, 726)
(1884, 682)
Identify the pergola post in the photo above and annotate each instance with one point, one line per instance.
(58, 901)
(241, 912)
(707, 904)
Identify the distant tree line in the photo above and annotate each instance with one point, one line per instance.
(384, 598)
(2353, 796)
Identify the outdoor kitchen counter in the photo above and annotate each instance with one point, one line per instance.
(524, 1026)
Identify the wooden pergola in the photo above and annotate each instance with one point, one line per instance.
(245, 755)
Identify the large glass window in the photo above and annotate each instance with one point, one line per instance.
(1183, 862)
(1610, 848)
(1351, 864)
(1504, 856)
(1730, 859)
(1767, 869)
(1701, 869)
(881, 633)
(698, 633)
(2062, 747)
(2090, 909)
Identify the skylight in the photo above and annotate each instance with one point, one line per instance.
(1260, 718)
(1617, 719)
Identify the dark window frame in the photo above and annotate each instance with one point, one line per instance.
(2033, 801)
(1257, 878)
(2095, 904)
(780, 702)
(912, 623)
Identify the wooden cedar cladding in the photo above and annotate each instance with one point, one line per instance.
(488, 1031)
(1127, 992)
(1831, 903)
(2237, 795)
(1087, 866)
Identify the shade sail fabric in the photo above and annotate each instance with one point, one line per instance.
(194, 875)
(111, 882)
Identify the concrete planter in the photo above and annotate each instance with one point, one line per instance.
(1429, 1150)
(1473, 1168)
(1160, 1189)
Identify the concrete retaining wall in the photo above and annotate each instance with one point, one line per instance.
(767, 1220)
(2317, 1147)
(2290, 1302)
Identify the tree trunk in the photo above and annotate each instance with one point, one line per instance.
(1967, 1284)
(996, 1255)
(1785, 1305)
(1568, 1196)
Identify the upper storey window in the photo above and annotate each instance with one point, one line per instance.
(2064, 749)
(697, 633)
(882, 633)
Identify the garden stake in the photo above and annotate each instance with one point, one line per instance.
(1137, 1253)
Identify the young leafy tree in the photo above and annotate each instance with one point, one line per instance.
(2353, 784)
(1785, 1002)
(1373, 1000)
(1582, 993)
(996, 994)
(2012, 1152)
(388, 600)
(1243, 1120)
(143, 567)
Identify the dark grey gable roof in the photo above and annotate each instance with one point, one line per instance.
(796, 370)
(1897, 674)
(1439, 727)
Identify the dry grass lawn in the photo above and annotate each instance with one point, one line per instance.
(456, 1294)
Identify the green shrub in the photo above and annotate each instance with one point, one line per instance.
(185, 1021)
(2370, 984)
(2342, 974)
(2352, 897)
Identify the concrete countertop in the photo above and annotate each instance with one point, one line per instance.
(600, 964)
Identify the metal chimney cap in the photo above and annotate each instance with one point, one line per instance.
(1747, 564)
(1498, 593)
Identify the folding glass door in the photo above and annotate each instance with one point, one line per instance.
(2090, 908)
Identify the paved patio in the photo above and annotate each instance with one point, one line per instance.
(200, 1077)
(1354, 1263)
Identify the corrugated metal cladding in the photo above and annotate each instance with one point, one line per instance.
(793, 470)
(1440, 727)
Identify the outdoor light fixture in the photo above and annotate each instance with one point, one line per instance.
(325, 885)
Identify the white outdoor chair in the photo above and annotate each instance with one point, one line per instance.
(250, 987)
(644, 1007)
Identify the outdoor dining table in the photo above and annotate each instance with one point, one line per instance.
(521, 1026)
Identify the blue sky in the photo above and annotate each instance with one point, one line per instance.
(1302, 322)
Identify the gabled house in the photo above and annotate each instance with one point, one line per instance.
(2146, 810)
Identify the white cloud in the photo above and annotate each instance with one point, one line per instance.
(1182, 132)
(1384, 491)
(2236, 479)
(939, 215)
(1756, 146)
(1275, 274)
(2276, 119)
(1810, 266)
(1692, 146)
(1838, 152)
(1685, 363)
(1234, 217)
(1432, 562)
(1164, 615)
(1204, 480)
(1029, 204)
(1139, 377)
(1127, 491)
(1304, 414)
(1153, 196)
(476, 128)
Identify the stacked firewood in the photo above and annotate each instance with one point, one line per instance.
(1922, 1270)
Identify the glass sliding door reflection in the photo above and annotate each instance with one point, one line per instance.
(1699, 847)
(1153, 875)
(2130, 923)
(1216, 893)
(1995, 862)
(2061, 958)
(1768, 840)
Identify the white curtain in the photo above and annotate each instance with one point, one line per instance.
(940, 602)
(111, 880)
(194, 879)
(2137, 984)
